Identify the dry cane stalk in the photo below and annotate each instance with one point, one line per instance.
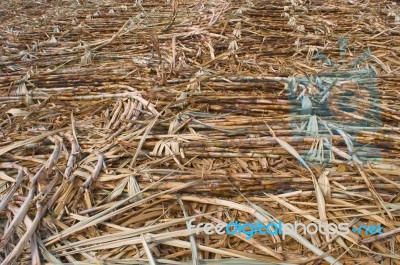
(17, 218)
(5, 200)
(25, 238)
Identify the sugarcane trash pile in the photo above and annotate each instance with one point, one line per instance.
(122, 120)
